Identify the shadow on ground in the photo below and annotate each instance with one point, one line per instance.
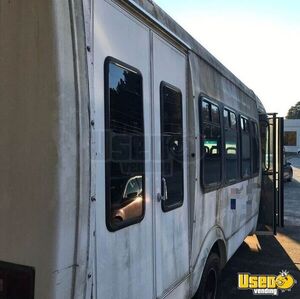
(262, 255)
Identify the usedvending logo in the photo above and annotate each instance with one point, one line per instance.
(265, 284)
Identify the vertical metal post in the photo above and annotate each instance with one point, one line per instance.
(274, 158)
(281, 170)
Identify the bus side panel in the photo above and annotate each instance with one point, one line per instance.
(245, 196)
(215, 209)
(38, 143)
(237, 239)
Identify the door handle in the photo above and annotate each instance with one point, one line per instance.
(163, 196)
(165, 189)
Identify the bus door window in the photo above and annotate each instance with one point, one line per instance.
(125, 150)
(171, 147)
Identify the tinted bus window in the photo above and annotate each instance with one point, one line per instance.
(206, 115)
(233, 121)
(231, 147)
(255, 148)
(171, 147)
(210, 145)
(125, 170)
(226, 118)
(245, 148)
(215, 114)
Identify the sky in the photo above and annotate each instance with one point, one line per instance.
(257, 40)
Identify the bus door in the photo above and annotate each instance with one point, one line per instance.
(121, 162)
(170, 169)
(272, 189)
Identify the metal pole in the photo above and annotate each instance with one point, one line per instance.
(274, 175)
(281, 170)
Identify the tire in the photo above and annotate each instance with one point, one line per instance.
(210, 278)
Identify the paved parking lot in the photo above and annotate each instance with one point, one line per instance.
(269, 254)
(292, 196)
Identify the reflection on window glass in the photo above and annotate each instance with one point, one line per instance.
(290, 138)
(205, 111)
(242, 124)
(211, 145)
(231, 154)
(226, 119)
(231, 146)
(134, 187)
(233, 121)
(125, 160)
(255, 148)
(264, 132)
(245, 148)
(171, 146)
(215, 114)
(246, 125)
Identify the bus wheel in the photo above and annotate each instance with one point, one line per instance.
(210, 278)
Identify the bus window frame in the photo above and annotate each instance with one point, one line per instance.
(236, 180)
(136, 220)
(210, 187)
(206, 189)
(254, 126)
(167, 207)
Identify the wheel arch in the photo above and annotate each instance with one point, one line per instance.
(214, 241)
(219, 248)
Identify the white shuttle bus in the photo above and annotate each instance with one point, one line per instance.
(133, 163)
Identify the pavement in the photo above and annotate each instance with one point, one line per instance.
(292, 196)
(269, 254)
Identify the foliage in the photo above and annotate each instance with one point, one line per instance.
(294, 112)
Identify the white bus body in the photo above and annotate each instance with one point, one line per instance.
(59, 63)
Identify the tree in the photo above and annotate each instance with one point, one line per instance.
(294, 112)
